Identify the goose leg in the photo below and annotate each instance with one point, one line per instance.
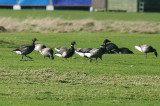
(90, 59)
(96, 60)
(146, 55)
(100, 58)
(50, 56)
(28, 57)
(66, 59)
(22, 57)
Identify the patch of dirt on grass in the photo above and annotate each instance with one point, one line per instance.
(87, 25)
(2, 29)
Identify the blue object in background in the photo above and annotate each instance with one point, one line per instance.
(33, 2)
(47, 2)
(72, 2)
(8, 2)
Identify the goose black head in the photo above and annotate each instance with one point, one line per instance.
(106, 41)
(34, 40)
(73, 43)
(155, 52)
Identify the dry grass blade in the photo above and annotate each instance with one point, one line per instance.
(59, 25)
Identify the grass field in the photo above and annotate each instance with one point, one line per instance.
(116, 80)
(78, 15)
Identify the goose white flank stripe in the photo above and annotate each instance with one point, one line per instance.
(18, 52)
(88, 54)
(138, 48)
(80, 53)
(59, 55)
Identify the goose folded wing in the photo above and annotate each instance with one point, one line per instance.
(95, 50)
(79, 50)
(66, 52)
(25, 48)
(92, 53)
(62, 50)
(86, 50)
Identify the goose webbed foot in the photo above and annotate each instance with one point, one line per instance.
(90, 59)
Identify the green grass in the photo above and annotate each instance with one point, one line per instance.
(116, 80)
(76, 15)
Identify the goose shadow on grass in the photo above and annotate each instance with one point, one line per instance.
(27, 60)
(9, 44)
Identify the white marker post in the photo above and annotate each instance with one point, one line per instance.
(50, 7)
(17, 6)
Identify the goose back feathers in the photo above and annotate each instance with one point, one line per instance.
(47, 52)
(39, 47)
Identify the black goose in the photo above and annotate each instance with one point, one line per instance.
(66, 52)
(25, 50)
(146, 49)
(97, 52)
(124, 50)
(111, 48)
(39, 47)
(47, 52)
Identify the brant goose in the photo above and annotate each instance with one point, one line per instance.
(47, 52)
(146, 49)
(97, 52)
(66, 52)
(25, 50)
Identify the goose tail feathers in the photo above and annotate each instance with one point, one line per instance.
(57, 49)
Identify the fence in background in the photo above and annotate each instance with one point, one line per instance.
(47, 2)
(95, 5)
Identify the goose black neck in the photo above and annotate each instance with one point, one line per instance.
(104, 49)
(105, 45)
(155, 52)
(72, 46)
(33, 42)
